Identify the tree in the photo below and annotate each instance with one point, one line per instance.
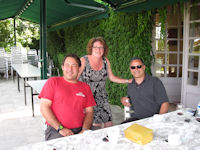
(6, 33)
(27, 34)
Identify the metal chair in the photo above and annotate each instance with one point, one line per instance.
(4, 66)
(52, 70)
(7, 55)
(24, 54)
(3, 62)
(16, 57)
(32, 57)
(2, 51)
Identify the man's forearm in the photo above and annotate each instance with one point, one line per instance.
(50, 117)
(164, 108)
(88, 120)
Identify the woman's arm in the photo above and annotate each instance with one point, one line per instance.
(114, 78)
(83, 63)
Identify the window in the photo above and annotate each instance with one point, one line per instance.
(168, 50)
(194, 46)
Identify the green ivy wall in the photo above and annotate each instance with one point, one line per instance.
(127, 35)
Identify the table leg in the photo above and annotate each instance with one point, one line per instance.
(18, 82)
(32, 101)
(25, 90)
(12, 74)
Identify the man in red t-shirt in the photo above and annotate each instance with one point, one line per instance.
(66, 103)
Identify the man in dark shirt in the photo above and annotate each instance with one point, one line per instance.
(146, 94)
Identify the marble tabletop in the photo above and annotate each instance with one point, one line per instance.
(176, 130)
(37, 84)
(26, 70)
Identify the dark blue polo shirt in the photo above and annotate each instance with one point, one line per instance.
(147, 97)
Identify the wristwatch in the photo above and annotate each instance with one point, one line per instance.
(85, 129)
(60, 128)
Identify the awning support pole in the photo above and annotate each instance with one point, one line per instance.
(15, 33)
(43, 45)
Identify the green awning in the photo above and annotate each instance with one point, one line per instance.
(139, 5)
(53, 14)
(59, 12)
(62, 13)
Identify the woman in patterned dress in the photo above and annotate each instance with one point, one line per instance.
(95, 69)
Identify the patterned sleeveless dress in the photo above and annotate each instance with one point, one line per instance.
(97, 82)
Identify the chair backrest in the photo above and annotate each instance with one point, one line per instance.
(32, 57)
(15, 50)
(52, 70)
(8, 57)
(2, 51)
(4, 66)
(32, 52)
(39, 53)
(2, 63)
(16, 55)
(24, 54)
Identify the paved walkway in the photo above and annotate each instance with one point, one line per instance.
(17, 126)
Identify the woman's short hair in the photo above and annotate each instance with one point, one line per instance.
(73, 56)
(95, 39)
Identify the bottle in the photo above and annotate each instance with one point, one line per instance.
(197, 114)
(179, 109)
(198, 111)
(126, 111)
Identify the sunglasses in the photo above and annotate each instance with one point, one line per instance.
(134, 67)
(101, 48)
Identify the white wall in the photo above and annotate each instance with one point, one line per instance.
(173, 88)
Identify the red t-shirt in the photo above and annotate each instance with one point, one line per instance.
(69, 100)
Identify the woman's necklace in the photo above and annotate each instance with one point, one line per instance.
(96, 65)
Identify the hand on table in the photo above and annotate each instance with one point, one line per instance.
(82, 131)
(66, 132)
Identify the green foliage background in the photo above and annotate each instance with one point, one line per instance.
(27, 34)
(6, 33)
(127, 35)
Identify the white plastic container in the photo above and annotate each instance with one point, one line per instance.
(179, 109)
(127, 111)
(198, 111)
